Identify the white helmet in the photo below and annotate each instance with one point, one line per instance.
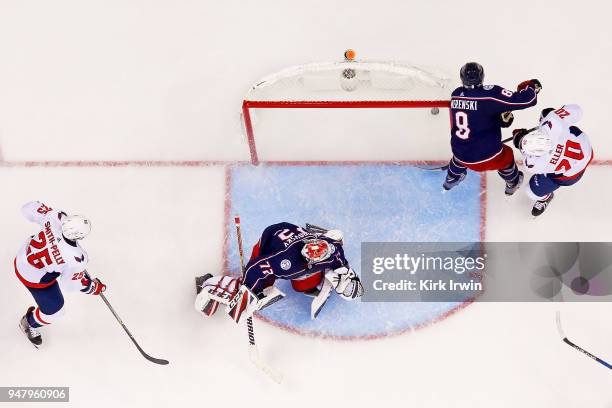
(536, 143)
(75, 227)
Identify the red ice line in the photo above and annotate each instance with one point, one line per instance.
(228, 203)
(209, 163)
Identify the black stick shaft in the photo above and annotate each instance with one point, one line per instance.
(145, 355)
(249, 321)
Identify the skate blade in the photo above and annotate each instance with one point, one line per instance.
(21, 331)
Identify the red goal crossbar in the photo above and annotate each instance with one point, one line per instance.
(247, 105)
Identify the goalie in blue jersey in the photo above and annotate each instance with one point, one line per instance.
(312, 258)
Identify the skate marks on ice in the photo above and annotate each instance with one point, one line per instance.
(370, 203)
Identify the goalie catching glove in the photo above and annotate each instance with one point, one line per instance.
(346, 283)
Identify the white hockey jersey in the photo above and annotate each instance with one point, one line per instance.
(572, 151)
(47, 256)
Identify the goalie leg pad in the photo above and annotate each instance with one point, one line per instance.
(245, 303)
(321, 298)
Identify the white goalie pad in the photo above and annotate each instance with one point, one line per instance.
(246, 303)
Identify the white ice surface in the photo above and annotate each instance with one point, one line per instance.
(161, 80)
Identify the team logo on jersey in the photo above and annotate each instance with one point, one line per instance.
(487, 87)
(285, 264)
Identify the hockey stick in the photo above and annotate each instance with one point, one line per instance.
(145, 355)
(253, 352)
(445, 167)
(580, 349)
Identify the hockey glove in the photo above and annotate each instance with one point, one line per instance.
(530, 83)
(517, 137)
(506, 119)
(346, 283)
(92, 287)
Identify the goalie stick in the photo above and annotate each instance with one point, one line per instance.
(445, 166)
(253, 352)
(145, 355)
(580, 349)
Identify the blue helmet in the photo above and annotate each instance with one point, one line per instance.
(472, 74)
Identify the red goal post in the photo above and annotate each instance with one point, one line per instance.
(346, 84)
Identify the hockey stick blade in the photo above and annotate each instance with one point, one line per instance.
(575, 346)
(431, 168)
(145, 355)
(274, 375)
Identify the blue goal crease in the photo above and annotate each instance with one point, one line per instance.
(369, 203)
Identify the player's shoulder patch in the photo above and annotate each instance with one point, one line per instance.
(285, 264)
(488, 87)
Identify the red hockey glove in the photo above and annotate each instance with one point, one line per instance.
(530, 83)
(92, 287)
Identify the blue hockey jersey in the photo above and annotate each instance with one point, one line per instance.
(476, 119)
(278, 256)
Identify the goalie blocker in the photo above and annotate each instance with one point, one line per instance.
(313, 261)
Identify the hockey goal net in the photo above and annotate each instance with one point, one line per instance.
(352, 110)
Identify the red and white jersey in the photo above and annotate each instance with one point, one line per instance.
(46, 256)
(572, 151)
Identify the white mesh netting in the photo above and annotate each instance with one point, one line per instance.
(349, 110)
(353, 81)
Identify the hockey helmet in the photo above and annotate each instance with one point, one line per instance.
(317, 250)
(75, 227)
(472, 74)
(537, 143)
(545, 113)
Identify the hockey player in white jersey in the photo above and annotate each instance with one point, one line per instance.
(52, 260)
(557, 153)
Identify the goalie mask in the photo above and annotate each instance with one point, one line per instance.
(536, 143)
(317, 250)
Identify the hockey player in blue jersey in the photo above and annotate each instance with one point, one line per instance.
(478, 113)
(312, 259)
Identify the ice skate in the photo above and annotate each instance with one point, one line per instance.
(512, 188)
(540, 206)
(31, 333)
